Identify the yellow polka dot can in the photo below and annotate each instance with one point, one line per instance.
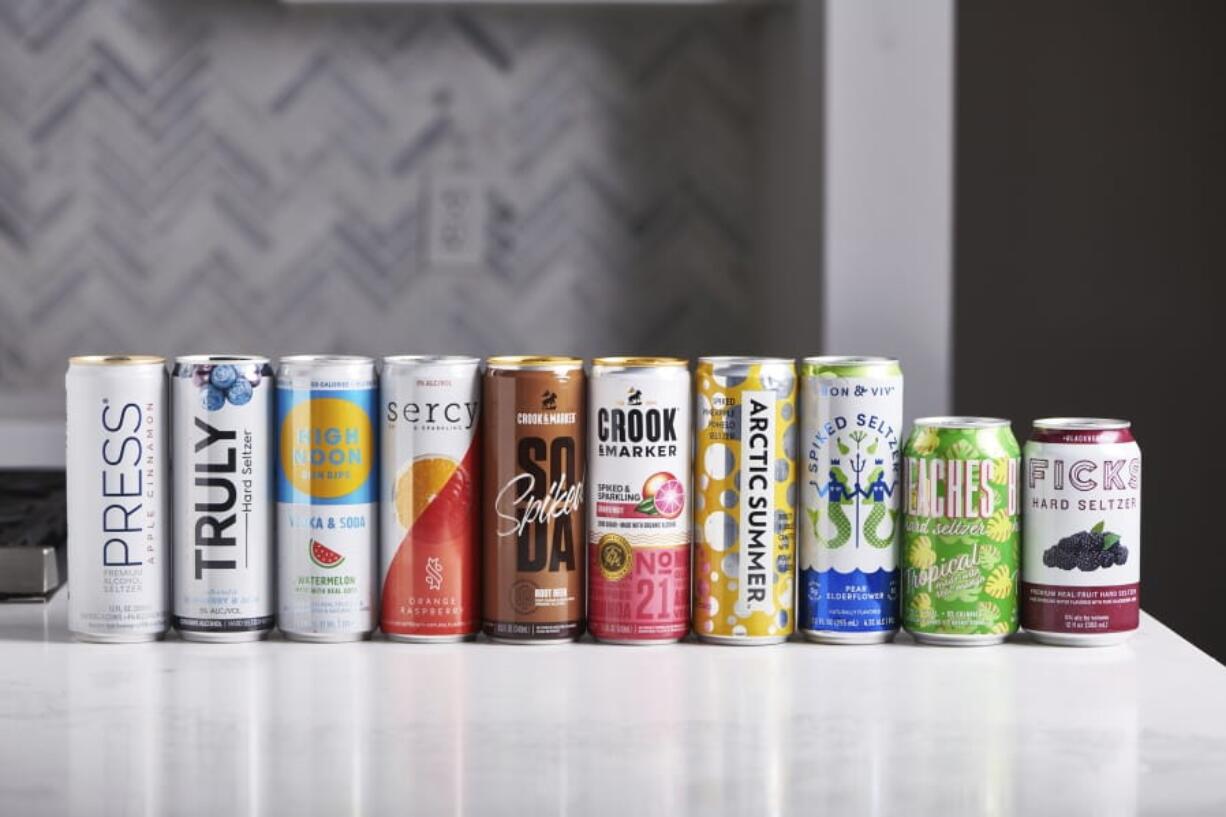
(327, 496)
(745, 500)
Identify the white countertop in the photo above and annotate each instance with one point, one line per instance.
(382, 728)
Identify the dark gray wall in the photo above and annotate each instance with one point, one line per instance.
(1091, 237)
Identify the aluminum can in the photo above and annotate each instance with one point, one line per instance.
(327, 490)
(222, 448)
(532, 501)
(118, 508)
(851, 449)
(430, 531)
(1081, 532)
(961, 531)
(639, 518)
(745, 500)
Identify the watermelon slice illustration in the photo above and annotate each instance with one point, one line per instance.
(323, 556)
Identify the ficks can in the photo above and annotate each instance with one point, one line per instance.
(222, 451)
(1081, 532)
(532, 502)
(639, 510)
(430, 535)
(118, 510)
(327, 490)
(745, 500)
(961, 536)
(851, 422)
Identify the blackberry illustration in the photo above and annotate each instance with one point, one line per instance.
(1066, 560)
(1049, 557)
(1070, 544)
(1121, 554)
(1087, 560)
(1106, 558)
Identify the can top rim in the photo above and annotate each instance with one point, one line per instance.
(116, 360)
(850, 360)
(962, 422)
(338, 359)
(223, 358)
(641, 361)
(427, 360)
(746, 360)
(1082, 423)
(545, 362)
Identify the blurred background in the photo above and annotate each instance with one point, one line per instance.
(1025, 202)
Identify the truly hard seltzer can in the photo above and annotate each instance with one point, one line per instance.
(1081, 532)
(223, 523)
(851, 448)
(532, 502)
(639, 510)
(961, 537)
(430, 531)
(118, 509)
(745, 500)
(327, 490)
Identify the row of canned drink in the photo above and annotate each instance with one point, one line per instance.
(530, 500)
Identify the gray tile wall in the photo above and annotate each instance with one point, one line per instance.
(238, 176)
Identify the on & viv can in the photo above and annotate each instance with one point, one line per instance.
(639, 510)
(961, 531)
(223, 449)
(327, 490)
(118, 510)
(745, 500)
(430, 532)
(851, 424)
(1081, 532)
(532, 502)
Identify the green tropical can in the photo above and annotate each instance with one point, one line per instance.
(961, 531)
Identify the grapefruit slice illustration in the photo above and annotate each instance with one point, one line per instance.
(670, 499)
(323, 556)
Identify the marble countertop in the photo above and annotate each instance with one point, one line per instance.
(382, 728)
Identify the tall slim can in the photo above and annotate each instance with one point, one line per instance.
(118, 509)
(745, 500)
(327, 495)
(223, 514)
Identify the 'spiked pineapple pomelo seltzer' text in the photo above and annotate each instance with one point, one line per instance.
(745, 500)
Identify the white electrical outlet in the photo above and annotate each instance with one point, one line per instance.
(456, 222)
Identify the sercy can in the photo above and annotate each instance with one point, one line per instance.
(430, 533)
(533, 499)
(118, 508)
(961, 534)
(851, 449)
(745, 500)
(1081, 532)
(327, 490)
(639, 516)
(223, 449)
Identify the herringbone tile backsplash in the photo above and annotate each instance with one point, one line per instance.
(183, 175)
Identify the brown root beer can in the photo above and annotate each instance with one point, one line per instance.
(533, 552)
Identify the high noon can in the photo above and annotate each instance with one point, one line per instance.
(327, 490)
(532, 502)
(118, 510)
(1081, 532)
(222, 451)
(639, 509)
(430, 532)
(745, 500)
(961, 532)
(851, 449)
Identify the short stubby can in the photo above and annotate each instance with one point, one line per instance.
(118, 509)
(222, 446)
(327, 490)
(639, 509)
(851, 450)
(430, 433)
(532, 499)
(961, 534)
(745, 500)
(1081, 532)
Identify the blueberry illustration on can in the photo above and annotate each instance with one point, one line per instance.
(240, 393)
(223, 376)
(212, 398)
